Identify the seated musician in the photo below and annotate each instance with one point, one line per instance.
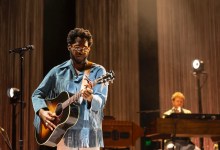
(178, 143)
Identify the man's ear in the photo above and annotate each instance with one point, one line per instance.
(69, 47)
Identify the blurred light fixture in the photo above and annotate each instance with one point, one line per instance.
(169, 145)
(198, 66)
(13, 93)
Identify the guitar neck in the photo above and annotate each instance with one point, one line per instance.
(75, 97)
(71, 100)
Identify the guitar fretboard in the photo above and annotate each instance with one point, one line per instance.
(71, 100)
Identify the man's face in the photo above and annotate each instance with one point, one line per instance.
(178, 102)
(79, 50)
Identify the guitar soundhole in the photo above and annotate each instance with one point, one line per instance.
(75, 111)
(59, 109)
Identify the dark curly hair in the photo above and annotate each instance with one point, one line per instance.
(79, 32)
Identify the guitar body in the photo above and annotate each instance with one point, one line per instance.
(67, 118)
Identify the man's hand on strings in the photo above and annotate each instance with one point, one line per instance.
(89, 83)
(87, 94)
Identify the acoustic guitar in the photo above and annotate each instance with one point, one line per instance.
(66, 108)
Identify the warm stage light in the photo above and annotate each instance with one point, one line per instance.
(169, 145)
(13, 93)
(198, 66)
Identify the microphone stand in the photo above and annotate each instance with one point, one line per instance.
(21, 54)
(14, 126)
(201, 140)
(21, 51)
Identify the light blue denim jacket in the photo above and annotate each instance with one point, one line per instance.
(87, 132)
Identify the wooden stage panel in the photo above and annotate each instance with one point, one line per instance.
(120, 133)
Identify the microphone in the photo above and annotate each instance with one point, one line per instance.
(23, 49)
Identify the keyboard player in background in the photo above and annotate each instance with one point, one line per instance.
(178, 143)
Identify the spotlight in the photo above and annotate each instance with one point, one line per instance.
(13, 93)
(170, 145)
(198, 66)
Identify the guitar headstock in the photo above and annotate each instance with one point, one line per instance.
(108, 77)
